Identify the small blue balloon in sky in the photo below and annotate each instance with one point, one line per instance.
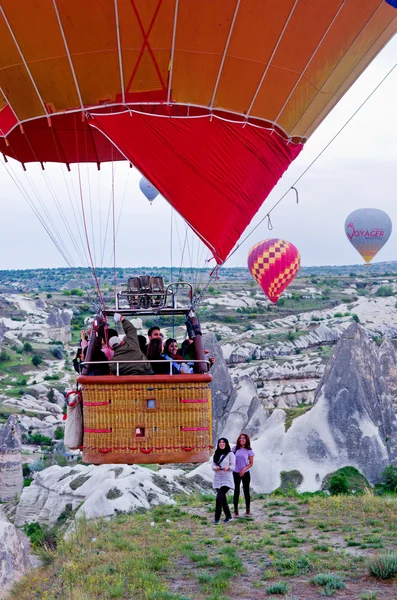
(148, 189)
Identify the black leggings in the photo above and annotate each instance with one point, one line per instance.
(246, 478)
(221, 502)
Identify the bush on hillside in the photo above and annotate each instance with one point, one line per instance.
(36, 360)
(389, 478)
(383, 566)
(351, 482)
(384, 290)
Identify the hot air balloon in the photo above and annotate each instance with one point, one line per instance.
(210, 100)
(148, 189)
(368, 230)
(273, 264)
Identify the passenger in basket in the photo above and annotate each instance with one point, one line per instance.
(127, 351)
(155, 353)
(171, 353)
(153, 333)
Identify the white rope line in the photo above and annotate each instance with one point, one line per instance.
(65, 43)
(116, 12)
(210, 116)
(172, 52)
(94, 111)
(31, 204)
(321, 90)
(224, 53)
(49, 218)
(25, 64)
(271, 58)
(267, 215)
(310, 60)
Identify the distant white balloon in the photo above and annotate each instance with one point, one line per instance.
(368, 230)
(148, 189)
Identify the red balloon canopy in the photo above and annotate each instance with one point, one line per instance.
(210, 99)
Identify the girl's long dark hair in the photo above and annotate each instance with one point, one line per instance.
(221, 453)
(154, 349)
(247, 441)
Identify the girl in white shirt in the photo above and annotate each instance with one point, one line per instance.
(223, 464)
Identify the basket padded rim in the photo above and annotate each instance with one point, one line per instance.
(175, 379)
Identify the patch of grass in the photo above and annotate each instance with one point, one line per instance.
(383, 566)
(277, 588)
(293, 413)
(291, 567)
(330, 582)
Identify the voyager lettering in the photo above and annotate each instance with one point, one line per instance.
(364, 233)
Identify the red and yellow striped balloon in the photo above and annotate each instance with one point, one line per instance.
(273, 264)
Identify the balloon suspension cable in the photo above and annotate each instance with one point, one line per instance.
(114, 239)
(85, 223)
(292, 187)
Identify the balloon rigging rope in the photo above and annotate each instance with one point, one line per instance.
(44, 209)
(114, 239)
(85, 223)
(292, 187)
(39, 217)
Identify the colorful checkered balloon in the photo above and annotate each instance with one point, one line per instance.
(273, 264)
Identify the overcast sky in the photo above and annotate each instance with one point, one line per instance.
(358, 170)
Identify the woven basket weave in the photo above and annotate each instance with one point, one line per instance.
(146, 419)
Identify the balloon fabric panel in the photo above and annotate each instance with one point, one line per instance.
(273, 264)
(216, 174)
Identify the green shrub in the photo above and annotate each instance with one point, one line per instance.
(277, 588)
(40, 440)
(41, 535)
(355, 318)
(383, 566)
(4, 356)
(28, 347)
(59, 433)
(356, 482)
(36, 360)
(338, 484)
(330, 582)
(389, 478)
(384, 290)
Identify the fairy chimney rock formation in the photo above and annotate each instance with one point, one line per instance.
(357, 402)
(11, 479)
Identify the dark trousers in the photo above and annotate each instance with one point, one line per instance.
(246, 478)
(221, 502)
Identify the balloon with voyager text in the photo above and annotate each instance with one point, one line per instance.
(368, 230)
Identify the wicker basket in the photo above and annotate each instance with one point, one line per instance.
(146, 419)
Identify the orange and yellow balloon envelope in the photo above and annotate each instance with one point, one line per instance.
(273, 264)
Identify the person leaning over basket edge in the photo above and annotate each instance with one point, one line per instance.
(223, 463)
(128, 350)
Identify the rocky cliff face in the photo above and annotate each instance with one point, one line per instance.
(357, 403)
(352, 421)
(221, 386)
(14, 557)
(11, 479)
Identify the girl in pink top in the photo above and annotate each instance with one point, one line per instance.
(244, 461)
